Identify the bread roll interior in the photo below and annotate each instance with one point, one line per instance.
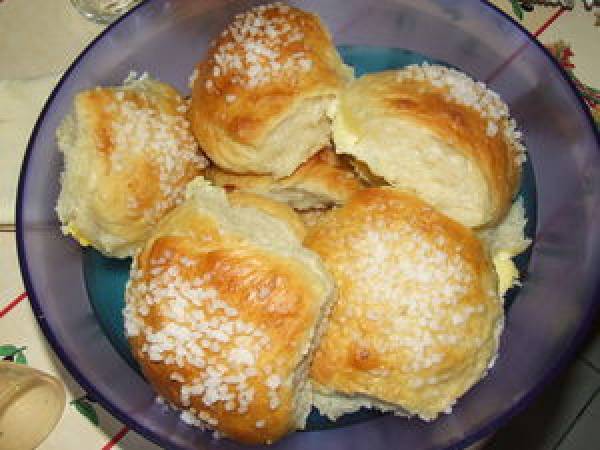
(261, 96)
(436, 132)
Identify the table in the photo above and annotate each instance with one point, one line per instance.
(41, 38)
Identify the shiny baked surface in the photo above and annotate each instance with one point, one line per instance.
(129, 155)
(418, 316)
(261, 96)
(222, 324)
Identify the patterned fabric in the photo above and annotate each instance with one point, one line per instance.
(564, 53)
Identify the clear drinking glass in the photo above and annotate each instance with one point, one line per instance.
(103, 11)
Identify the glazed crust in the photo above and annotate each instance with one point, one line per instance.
(253, 78)
(418, 317)
(433, 116)
(244, 318)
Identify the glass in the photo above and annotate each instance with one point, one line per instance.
(167, 37)
(103, 11)
(31, 404)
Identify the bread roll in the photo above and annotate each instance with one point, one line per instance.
(322, 181)
(261, 96)
(505, 241)
(128, 156)
(274, 208)
(418, 317)
(438, 133)
(223, 309)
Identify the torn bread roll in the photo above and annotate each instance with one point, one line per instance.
(272, 207)
(323, 181)
(223, 310)
(261, 97)
(128, 156)
(436, 132)
(418, 316)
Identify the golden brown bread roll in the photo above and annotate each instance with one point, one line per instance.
(418, 317)
(322, 181)
(434, 131)
(128, 156)
(261, 96)
(223, 309)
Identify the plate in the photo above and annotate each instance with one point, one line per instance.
(166, 38)
(105, 278)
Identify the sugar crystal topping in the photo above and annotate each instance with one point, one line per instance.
(198, 330)
(406, 283)
(260, 45)
(140, 128)
(474, 94)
